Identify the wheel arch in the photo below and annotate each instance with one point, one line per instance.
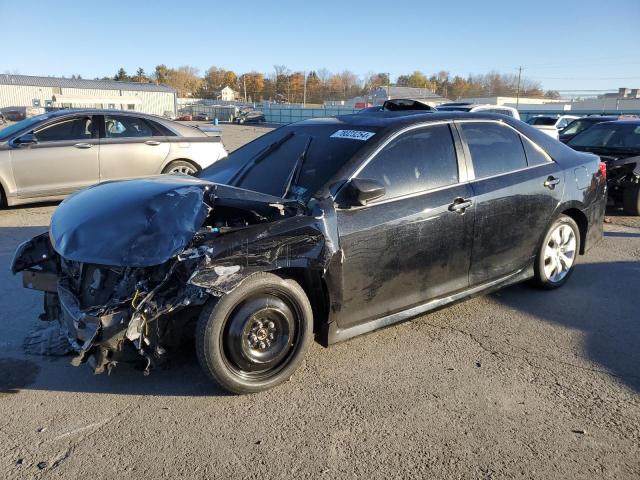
(316, 289)
(582, 221)
(167, 163)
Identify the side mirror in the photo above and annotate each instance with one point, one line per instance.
(26, 139)
(363, 190)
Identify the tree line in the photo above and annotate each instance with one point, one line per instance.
(285, 85)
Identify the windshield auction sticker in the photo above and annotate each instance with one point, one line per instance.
(353, 134)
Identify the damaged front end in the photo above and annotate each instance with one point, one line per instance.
(127, 266)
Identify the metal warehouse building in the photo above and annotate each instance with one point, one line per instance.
(20, 91)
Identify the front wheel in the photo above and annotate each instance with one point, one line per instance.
(556, 258)
(255, 337)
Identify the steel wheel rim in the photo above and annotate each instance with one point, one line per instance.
(559, 253)
(183, 170)
(261, 335)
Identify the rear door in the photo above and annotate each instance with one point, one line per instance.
(65, 158)
(516, 188)
(131, 147)
(410, 245)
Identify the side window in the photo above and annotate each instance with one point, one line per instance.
(161, 129)
(121, 126)
(80, 128)
(535, 156)
(494, 148)
(418, 160)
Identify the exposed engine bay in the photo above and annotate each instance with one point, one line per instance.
(129, 285)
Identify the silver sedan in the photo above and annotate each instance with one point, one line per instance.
(49, 156)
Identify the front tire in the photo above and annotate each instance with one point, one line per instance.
(256, 336)
(631, 199)
(557, 255)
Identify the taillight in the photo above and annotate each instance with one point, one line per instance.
(603, 170)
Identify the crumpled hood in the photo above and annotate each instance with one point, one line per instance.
(135, 223)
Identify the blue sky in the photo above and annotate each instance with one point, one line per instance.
(587, 45)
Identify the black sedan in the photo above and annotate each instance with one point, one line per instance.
(250, 116)
(333, 227)
(582, 124)
(618, 144)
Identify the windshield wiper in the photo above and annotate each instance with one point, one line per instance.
(297, 168)
(240, 174)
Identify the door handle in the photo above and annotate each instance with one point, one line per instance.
(83, 145)
(153, 143)
(460, 205)
(551, 182)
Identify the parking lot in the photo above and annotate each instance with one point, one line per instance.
(522, 383)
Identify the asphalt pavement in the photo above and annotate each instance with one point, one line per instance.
(522, 383)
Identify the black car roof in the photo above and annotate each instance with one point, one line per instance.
(624, 122)
(385, 119)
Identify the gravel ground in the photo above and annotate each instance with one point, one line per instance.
(518, 384)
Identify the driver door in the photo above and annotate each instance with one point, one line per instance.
(63, 159)
(411, 245)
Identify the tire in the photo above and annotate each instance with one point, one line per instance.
(183, 167)
(256, 336)
(631, 199)
(557, 255)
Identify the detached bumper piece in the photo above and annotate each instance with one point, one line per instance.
(83, 330)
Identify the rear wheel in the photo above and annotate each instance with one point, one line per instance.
(631, 199)
(255, 337)
(557, 255)
(183, 167)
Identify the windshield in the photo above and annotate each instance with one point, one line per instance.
(266, 164)
(542, 121)
(609, 135)
(8, 131)
(576, 127)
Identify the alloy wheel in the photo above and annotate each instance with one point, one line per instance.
(183, 170)
(559, 253)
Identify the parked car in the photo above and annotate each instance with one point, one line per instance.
(201, 117)
(334, 226)
(582, 124)
(486, 108)
(551, 124)
(250, 116)
(618, 145)
(49, 156)
(185, 118)
(399, 105)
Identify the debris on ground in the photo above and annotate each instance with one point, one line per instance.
(50, 340)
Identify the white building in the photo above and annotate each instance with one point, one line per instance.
(19, 91)
(227, 94)
(510, 101)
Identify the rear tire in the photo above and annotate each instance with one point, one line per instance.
(631, 199)
(256, 336)
(557, 255)
(183, 167)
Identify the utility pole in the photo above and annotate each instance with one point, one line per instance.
(304, 94)
(244, 81)
(388, 86)
(518, 89)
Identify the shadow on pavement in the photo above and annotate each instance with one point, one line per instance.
(600, 299)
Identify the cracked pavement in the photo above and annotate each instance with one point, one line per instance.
(518, 384)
